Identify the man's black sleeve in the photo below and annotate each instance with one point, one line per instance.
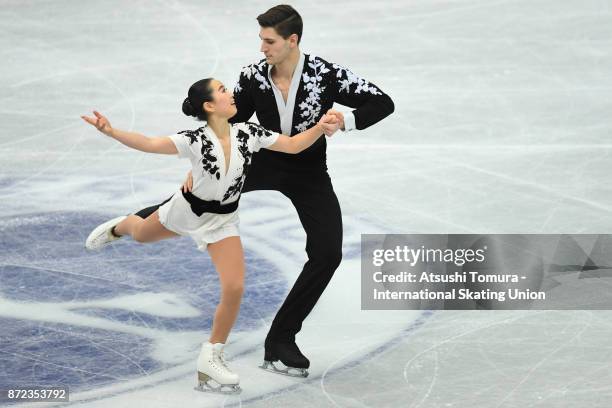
(243, 97)
(371, 104)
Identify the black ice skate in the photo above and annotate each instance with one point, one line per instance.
(294, 363)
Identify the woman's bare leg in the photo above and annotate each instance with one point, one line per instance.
(228, 257)
(144, 230)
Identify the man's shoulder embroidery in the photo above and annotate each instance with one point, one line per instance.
(258, 71)
(346, 79)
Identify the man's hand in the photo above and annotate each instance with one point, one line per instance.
(188, 184)
(328, 124)
(100, 122)
(334, 125)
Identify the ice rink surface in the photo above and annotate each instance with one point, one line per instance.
(502, 125)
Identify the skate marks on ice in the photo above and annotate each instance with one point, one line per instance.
(132, 316)
(531, 370)
(496, 359)
(128, 314)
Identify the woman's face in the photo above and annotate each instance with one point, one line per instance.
(222, 104)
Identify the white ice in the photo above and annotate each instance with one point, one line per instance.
(502, 125)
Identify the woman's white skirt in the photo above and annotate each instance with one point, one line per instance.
(176, 215)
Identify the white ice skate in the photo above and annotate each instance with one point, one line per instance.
(101, 235)
(213, 373)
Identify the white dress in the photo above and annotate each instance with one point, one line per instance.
(211, 182)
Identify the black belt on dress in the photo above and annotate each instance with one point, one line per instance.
(199, 206)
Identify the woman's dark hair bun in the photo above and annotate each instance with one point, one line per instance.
(198, 94)
(188, 108)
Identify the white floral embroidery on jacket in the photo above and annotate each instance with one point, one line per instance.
(237, 88)
(311, 107)
(254, 70)
(351, 78)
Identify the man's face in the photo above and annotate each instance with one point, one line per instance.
(275, 48)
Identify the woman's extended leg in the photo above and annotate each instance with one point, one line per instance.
(228, 257)
(144, 230)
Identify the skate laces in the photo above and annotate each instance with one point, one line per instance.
(221, 359)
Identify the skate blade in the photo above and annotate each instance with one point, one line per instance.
(289, 371)
(207, 384)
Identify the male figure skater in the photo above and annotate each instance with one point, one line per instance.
(289, 91)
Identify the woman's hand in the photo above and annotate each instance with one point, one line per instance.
(160, 145)
(329, 124)
(100, 122)
(339, 117)
(188, 184)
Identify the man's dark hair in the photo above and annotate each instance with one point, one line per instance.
(284, 19)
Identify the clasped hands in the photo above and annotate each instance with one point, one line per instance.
(331, 122)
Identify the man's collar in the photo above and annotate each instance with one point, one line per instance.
(299, 65)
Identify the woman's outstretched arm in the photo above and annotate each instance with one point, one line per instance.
(160, 145)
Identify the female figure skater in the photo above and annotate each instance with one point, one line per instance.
(220, 154)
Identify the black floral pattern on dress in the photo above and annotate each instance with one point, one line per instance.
(193, 135)
(209, 161)
(236, 187)
(258, 130)
(243, 149)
